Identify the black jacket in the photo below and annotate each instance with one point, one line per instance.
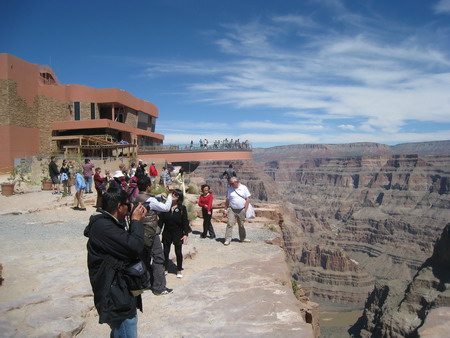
(53, 169)
(108, 237)
(176, 225)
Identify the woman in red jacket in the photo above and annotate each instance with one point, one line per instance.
(205, 202)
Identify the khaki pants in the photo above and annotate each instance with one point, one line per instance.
(233, 216)
(78, 200)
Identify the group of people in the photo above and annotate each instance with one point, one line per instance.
(129, 231)
(221, 144)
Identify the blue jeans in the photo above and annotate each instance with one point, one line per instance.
(88, 181)
(124, 329)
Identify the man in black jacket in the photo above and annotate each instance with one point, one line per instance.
(112, 239)
(54, 175)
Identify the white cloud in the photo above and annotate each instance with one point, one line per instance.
(177, 125)
(368, 80)
(442, 7)
(295, 125)
(298, 20)
(347, 126)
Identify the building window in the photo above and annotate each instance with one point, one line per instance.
(152, 124)
(142, 120)
(77, 110)
(92, 111)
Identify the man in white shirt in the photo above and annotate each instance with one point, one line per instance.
(236, 204)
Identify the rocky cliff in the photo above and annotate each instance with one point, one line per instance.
(399, 309)
(296, 151)
(350, 220)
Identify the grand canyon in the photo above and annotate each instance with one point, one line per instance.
(355, 217)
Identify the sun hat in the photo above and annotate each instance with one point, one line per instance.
(118, 173)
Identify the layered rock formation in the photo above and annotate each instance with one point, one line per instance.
(350, 220)
(393, 310)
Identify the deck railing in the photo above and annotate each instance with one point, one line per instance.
(194, 148)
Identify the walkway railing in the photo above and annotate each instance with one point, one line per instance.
(193, 148)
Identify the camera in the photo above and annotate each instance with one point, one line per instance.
(146, 205)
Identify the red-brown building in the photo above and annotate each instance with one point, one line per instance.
(40, 115)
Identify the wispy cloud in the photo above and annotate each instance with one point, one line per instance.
(278, 126)
(442, 7)
(371, 81)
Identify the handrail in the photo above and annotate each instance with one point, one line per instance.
(194, 148)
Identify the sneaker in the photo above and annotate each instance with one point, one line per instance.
(82, 209)
(75, 208)
(55, 193)
(162, 293)
(179, 275)
(202, 236)
(226, 243)
(246, 241)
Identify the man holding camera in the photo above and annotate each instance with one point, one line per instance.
(115, 235)
(153, 250)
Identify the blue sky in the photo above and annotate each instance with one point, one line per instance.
(273, 72)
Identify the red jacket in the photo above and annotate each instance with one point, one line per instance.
(153, 171)
(206, 201)
(98, 180)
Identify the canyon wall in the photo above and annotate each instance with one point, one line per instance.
(399, 309)
(353, 214)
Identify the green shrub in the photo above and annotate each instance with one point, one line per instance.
(193, 189)
(270, 227)
(158, 190)
(192, 213)
(295, 288)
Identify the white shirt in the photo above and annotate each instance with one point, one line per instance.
(159, 206)
(236, 201)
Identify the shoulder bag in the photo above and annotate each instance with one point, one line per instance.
(250, 213)
(135, 274)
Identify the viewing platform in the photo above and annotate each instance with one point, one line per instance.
(186, 152)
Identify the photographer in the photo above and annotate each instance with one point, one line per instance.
(153, 250)
(111, 234)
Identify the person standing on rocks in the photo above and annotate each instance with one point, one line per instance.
(229, 173)
(88, 173)
(54, 175)
(165, 175)
(236, 204)
(80, 186)
(180, 178)
(112, 244)
(153, 174)
(176, 229)
(98, 182)
(153, 251)
(206, 202)
(65, 178)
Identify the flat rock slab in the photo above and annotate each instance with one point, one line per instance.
(243, 289)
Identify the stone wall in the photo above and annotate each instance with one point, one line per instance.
(48, 110)
(131, 117)
(85, 110)
(13, 108)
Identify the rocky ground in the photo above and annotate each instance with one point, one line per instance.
(239, 290)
